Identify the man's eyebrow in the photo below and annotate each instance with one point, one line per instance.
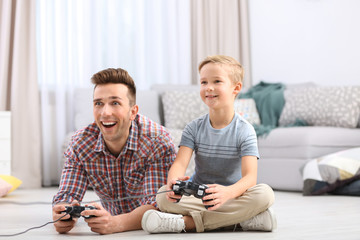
(111, 98)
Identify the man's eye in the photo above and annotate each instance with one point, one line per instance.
(116, 103)
(97, 103)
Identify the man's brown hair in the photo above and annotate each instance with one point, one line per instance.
(116, 75)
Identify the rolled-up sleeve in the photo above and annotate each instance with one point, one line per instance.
(73, 182)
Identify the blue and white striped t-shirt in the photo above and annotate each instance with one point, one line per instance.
(218, 152)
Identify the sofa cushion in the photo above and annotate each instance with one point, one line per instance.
(176, 137)
(307, 142)
(322, 106)
(181, 107)
(147, 100)
(246, 107)
(281, 173)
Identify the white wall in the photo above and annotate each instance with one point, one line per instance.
(294, 41)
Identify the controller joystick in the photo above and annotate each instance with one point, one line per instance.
(75, 211)
(190, 188)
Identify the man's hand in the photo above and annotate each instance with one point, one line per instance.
(66, 223)
(102, 221)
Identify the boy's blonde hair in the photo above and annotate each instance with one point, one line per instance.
(236, 70)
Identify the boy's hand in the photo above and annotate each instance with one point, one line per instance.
(171, 195)
(218, 195)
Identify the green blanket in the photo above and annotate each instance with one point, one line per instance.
(269, 98)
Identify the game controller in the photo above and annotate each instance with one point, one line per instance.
(75, 211)
(190, 188)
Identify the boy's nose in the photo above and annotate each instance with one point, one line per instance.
(209, 87)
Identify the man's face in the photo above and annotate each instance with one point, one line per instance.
(112, 111)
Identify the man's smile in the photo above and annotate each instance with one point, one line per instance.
(108, 124)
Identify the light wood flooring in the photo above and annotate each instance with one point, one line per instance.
(298, 217)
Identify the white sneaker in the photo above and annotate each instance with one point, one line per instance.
(265, 221)
(158, 222)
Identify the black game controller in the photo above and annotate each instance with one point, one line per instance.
(190, 188)
(75, 211)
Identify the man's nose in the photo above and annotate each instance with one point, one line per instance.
(106, 110)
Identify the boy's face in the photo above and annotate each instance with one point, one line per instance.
(112, 111)
(217, 89)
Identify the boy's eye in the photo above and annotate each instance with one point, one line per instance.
(203, 82)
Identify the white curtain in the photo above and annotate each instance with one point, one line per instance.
(157, 41)
(150, 39)
(221, 27)
(19, 88)
(6, 18)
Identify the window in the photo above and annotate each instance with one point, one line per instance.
(75, 39)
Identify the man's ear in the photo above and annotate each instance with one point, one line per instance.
(133, 111)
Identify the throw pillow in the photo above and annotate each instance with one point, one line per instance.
(12, 181)
(181, 107)
(4, 187)
(322, 106)
(325, 174)
(246, 107)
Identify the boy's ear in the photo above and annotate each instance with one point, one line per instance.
(237, 88)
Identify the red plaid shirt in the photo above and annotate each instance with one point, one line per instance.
(140, 169)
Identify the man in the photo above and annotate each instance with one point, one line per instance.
(121, 154)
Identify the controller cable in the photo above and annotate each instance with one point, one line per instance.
(37, 203)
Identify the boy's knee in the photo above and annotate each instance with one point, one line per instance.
(161, 199)
(262, 195)
(267, 195)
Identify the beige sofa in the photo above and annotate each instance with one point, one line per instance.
(332, 112)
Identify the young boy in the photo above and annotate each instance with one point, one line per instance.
(226, 157)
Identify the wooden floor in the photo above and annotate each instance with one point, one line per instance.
(320, 217)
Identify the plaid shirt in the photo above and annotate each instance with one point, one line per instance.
(140, 169)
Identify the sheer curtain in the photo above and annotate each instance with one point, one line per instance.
(150, 39)
(19, 88)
